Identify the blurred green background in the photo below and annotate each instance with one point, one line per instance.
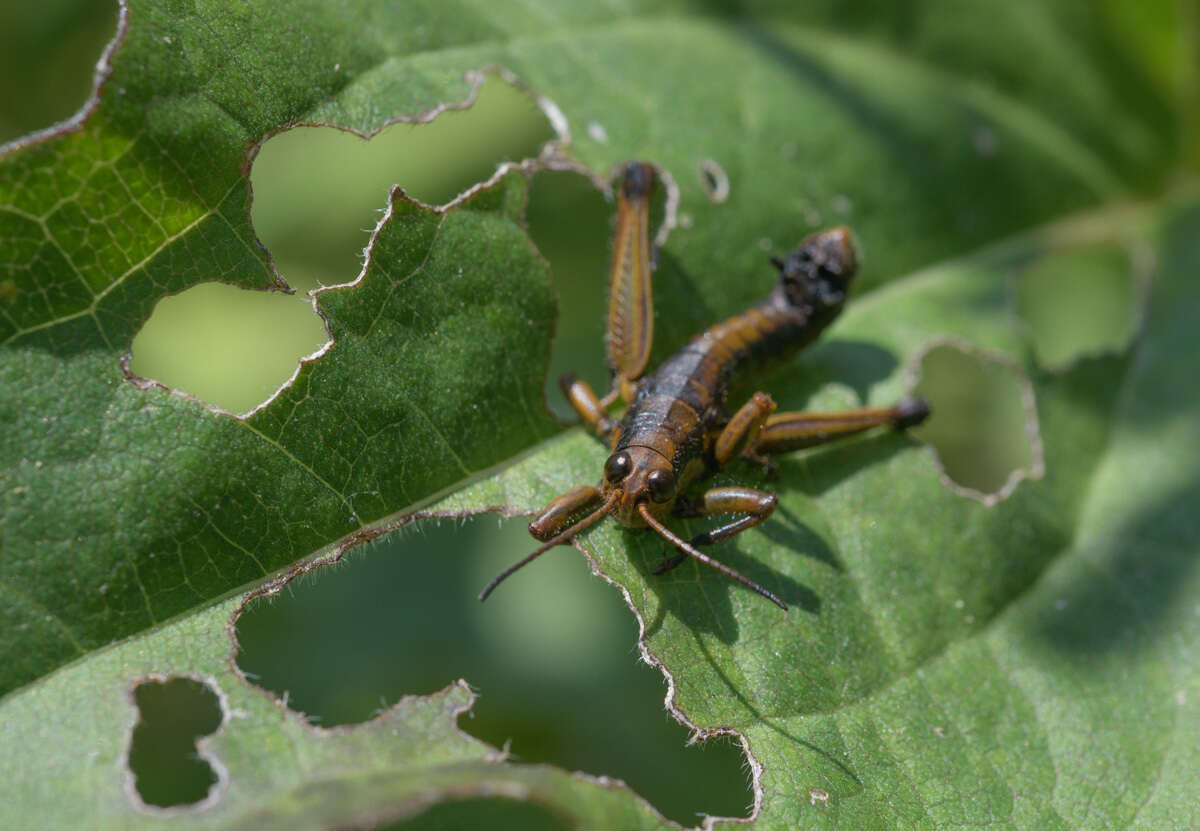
(47, 53)
(553, 654)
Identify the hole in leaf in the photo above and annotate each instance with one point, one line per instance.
(318, 191)
(317, 194)
(714, 180)
(570, 222)
(48, 60)
(551, 655)
(474, 814)
(1078, 302)
(163, 757)
(225, 345)
(984, 426)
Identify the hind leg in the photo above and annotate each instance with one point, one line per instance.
(783, 432)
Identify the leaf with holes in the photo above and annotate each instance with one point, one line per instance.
(1028, 663)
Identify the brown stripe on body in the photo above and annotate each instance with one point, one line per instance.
(679, 406)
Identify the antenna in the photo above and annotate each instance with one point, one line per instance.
(704, 558)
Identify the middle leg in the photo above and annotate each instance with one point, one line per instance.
(755, 505)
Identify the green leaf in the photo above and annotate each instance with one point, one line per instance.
(1025, 664)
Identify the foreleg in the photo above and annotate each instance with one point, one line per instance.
(558, 514)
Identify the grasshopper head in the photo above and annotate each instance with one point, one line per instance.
(638, 475)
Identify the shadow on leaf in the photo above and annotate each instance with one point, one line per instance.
(1131, 584)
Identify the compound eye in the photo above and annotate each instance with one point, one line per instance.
(661, 484)
(617, 467)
